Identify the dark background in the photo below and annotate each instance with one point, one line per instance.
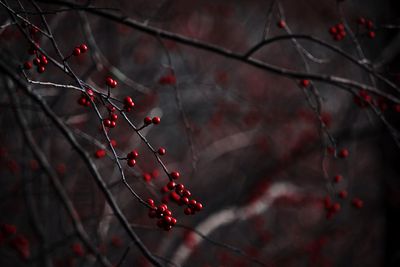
(240, 136)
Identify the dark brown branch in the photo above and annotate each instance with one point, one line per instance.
(329, 79)
(86, 158)
(39, 155)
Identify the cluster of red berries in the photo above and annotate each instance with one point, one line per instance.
(32, 29)
(18, 242)
(166, 220)
(333, 208)
(343, 153)
(40, 61)
(111, 121)
(180, 195)
(80, 50)
(131, 158)
(128, 103)
(85, 99)
(343, 193)
(363, 99)
(338, 32)
(368, 25)
(110, 82)
(154, 120)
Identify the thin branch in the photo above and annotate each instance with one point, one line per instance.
(85, 157)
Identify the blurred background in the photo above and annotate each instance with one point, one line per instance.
(264, 153)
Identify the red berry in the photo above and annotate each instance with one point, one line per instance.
(175, 175)
(128, 103)
(90, 92)
(179, 188)
(156, 120)
(100, 153)
(335, 207)
(82, 101)
(338, 37)
(192, 203)
(304, 83)
(340, 27)
(173, 221)
(174, 196)
(188, 211)
(147, 177)
(116, 241)
(113, 143)
(128, 100)
(113, 124)
(167, 212)
(27, 65)
(164, 189)
(171, 185)
(36, 61)
(371, 34)
(370, 25)
(107, 123)
(168, 79)
(109, 81)
(332, 30)
(152, 213)
(198, 206)
(343, 153)
(183, 201)
(133, 154)
(330, 150)
(327, 202)
(131, 162)
(147, 120)
(343, 194)
(167, 219)
(357, 203)
(78, 249)
(161, 151)
(41, 69)
(361, 21)
(43, 60)
(150, 201)
(281, 24)
(83, 48)
(337, 178)
(76, 51)
(9, 229)
(113, 117)
(186, 193)
(33, 30)
(161, 208)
